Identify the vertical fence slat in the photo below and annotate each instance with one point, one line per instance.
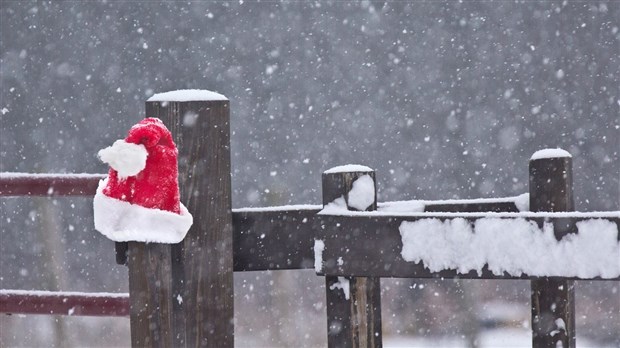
(553, 299)
(356, 321)
(150, 286)
(120, 250)
(203, 263)
(182, 294)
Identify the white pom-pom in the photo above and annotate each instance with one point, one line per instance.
(126, 158)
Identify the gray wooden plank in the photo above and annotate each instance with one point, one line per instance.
(203, 262)
(354, 312)
(552, 299)
(371, 246)
(273, 240)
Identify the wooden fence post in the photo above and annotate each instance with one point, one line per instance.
(553, 299)
(354, 319)
(182, 294)
(150, 294)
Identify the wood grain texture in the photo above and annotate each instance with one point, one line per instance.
(203, 262)
(354, 321)
(120, 249)
(372, 245)
(496, 207)
(281, 240)
(552, 299)
(150, 293)
(274, 240)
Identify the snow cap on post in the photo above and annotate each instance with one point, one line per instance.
(348, 168)
(185, 95)
(550, 153)
(351, 187)
(139, 200)
(551, 181)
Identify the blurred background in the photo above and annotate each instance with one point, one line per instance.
(443, 99)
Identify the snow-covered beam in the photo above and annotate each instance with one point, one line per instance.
(281, 237)
(471, 245)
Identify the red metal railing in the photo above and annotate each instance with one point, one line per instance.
(24, 184)
(48, 302)
(64, 303)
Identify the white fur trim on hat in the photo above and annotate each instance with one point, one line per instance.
(122, 221)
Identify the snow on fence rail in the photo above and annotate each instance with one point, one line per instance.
(350, 239)
(472, 246)
(423, 239)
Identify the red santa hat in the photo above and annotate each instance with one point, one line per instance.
(139, 200)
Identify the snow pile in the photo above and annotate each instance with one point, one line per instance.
(515, 246)
(412, 206)
(522, 202)
(560, 326)
(122, 221)
(185, 95)
(338, 206)
(127, 159)
(343, 283)
(550, 153)
(278, 208)
(319, 246)
(348, 168)
(362, 194)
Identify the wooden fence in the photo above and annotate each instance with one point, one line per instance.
(181, 295)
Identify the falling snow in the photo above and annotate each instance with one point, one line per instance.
(445, 100)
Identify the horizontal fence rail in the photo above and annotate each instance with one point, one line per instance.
(53, 302)
(268, 239)
(367, 245)
(64, 303)
(25, 184)
(276, 238)
(354, 244)
(283, 237)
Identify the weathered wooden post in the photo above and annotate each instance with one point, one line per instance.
(182, 294)
(353, 319)
(553, 299)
